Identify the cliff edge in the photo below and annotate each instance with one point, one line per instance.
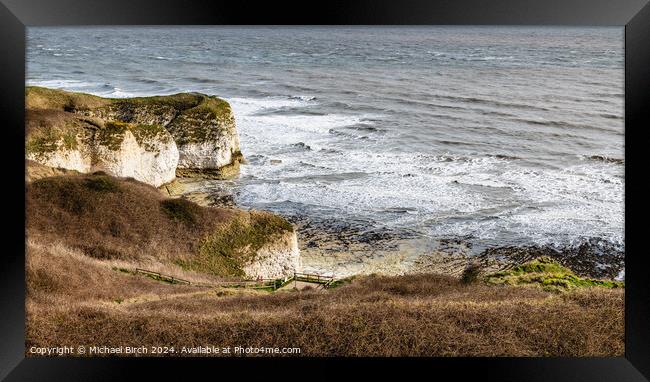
(151, 139)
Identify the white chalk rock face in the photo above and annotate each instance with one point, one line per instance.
(209, 155)
(158, 165)
(278, 259)
(207, 138)
(150, 159)
(63, 140)
(62, 157)
(187, 134)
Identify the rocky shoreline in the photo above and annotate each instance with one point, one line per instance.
(179, 142)
(345, 249)
(84, 152)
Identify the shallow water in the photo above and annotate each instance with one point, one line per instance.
(496, 135)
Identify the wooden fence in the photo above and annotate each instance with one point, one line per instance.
(272, 284)
(312, 278)
(160, 276)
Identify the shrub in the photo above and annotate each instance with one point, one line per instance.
(101, 183)
(100, 252)
(180, 210)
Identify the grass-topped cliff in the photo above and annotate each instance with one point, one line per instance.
(130, 110)
(125, 220)
(191, 113)
(65, 128)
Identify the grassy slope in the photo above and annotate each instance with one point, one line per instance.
(75, 300)
(81, 228)
(122, 219)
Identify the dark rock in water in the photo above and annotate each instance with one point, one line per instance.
(338, 235)
(506, 157)
(606, 159)
(301, 145)
(595, 258)
(224, 200)
(445, 243)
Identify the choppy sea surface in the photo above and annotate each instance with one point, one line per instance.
(496, 135)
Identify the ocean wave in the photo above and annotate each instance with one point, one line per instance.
(203, 80)
(569, 126)
(119, 93)
(148, 81)
(303, 98)
(610, 116)
(249, 106)
(605, 159)
(491, 102)
(97, 88)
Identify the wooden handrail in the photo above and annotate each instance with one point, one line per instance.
(172, 279)
(326, 281)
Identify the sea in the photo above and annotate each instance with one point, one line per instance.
(491, 135)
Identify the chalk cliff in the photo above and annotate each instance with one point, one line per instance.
(152, 139)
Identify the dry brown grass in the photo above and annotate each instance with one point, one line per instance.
(76, 300)
(35, 171)
(115, 219)
(82, 229)
(121, 219)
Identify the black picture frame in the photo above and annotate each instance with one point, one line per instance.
(15, 15)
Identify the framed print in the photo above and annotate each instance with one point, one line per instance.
(421, 185)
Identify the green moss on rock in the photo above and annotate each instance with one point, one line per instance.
(208, 120)
(112, 135)
(49, 139)
(148, 136)
(41, 145)
(234, 244)
(180, 101)
(548, 274)
(43, 98)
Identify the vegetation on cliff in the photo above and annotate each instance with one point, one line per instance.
(201, 127)
(232, 245)
(197, 124)
(132, 221)
(548, 274)
(48, 131)
(190, 117)
(52, 99)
